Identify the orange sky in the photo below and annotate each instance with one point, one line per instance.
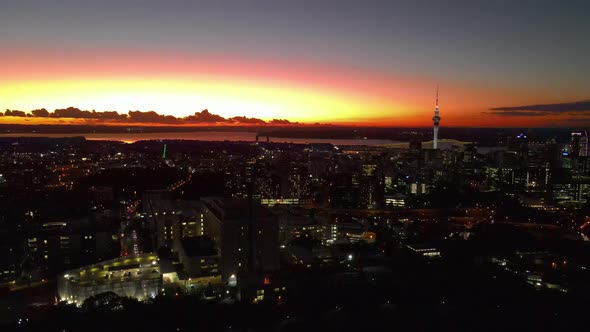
(180, 85)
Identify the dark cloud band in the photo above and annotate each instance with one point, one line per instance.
(203, 117)
(542, 109)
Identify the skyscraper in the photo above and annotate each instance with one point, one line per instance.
(436, 120)
(579, 151)
(583, 145)
(575, 144)
(579, 145)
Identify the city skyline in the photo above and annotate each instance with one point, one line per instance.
(277, 165)
(344, 63)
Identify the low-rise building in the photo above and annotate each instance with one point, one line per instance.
(138, 277)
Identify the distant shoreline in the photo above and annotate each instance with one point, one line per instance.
(206, 136)
(478, 136)
(425, 144)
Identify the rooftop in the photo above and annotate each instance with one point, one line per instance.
(132, 268)
(234, 208)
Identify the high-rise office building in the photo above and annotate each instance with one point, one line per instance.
(172, 220)
(242, 250)
(575, 144)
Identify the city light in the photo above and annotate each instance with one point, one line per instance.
(294, 165)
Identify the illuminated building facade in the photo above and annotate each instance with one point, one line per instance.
(171, 220)
(138, 277)
(64, 244)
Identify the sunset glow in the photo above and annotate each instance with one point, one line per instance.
(298, 92)
(350, 70)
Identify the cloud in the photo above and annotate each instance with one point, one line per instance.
(40, 113)
(76, 113)
(109, 115)
(575, 119)
(517, 113)
(280, 121)
(245, 120)
(205, 117)
(71, 112)
(151, 117)
(15, 113)
(578, 107)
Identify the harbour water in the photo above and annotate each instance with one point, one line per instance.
(236, 136)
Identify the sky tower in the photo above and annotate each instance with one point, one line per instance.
(436, 120)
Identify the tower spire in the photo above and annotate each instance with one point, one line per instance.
(437, 95)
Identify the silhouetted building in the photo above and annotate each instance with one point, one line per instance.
(227, 223)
